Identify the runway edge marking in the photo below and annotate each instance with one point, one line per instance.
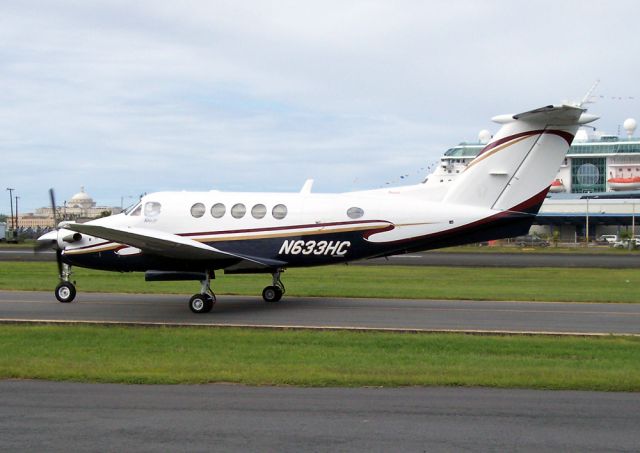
(315, 328)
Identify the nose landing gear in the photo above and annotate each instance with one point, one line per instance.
(65, 291)
(274, 292)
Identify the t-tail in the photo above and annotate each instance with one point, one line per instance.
(514, 171)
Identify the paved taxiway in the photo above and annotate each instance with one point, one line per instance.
(434, 258)
(330, 312)
(52, 416)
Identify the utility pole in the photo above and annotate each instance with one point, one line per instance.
(17, 198)
(11, 201)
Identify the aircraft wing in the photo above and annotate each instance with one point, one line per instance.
(173, 246)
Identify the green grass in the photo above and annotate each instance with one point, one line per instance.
(413, 282)
(304, 358)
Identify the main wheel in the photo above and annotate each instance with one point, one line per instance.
(272, 294)
(65, 292)
(201, 303)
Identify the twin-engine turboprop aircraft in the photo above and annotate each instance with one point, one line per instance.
(190, 235)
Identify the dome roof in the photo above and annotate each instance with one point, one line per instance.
(81, 199)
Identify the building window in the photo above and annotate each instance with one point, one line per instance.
(218, 210)
(588, 175)
(355, 213)
(259, 211)
(197, 210)
(238, 211)
(279, 211)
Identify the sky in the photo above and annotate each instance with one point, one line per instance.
(128, 97)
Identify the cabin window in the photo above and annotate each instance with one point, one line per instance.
(197, 210)
(218, 210)
(279, 211)
(355, 213)
(152, 209)
(259, 211)
(238, 210)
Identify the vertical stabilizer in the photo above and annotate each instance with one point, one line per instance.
(514, 171)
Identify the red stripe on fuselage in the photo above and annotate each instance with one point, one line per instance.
(566, 135)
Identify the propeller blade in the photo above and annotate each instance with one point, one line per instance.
(42, 245)
(52, 197)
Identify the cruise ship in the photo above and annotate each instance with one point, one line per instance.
(596, 190)
(594, 164)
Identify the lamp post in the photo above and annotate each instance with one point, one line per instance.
(587, 229)
(17, 198)
(11, 201)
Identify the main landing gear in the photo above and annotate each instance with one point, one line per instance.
(65, 291)
(206, 299)
(274, 292)
(203, 302)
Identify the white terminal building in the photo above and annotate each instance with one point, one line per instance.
(599, 179)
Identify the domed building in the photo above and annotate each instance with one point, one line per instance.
(80, 207)
(81, 200)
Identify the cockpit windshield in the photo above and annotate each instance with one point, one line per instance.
(133, 209)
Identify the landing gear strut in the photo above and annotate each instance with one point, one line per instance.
(65, 291)
(203, 302)
(275, 292)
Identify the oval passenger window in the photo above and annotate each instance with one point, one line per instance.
(259, 211)
(279, 211)
(197, 210)
(238, 210)
(355, 213)
(218, 210)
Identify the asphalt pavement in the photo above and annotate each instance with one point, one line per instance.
(55, 416)
(330, 312)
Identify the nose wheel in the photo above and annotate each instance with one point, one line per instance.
(274, 292)
(65, 292)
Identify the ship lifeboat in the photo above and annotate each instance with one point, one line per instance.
(557, 186)
(624, 183)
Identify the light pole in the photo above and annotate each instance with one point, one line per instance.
(11, 201)
(587, 230)
(17, 198)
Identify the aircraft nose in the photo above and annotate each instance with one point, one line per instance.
(47, 241)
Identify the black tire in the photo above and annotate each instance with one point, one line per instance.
(65, 292)
(200, 303)
(272, 294)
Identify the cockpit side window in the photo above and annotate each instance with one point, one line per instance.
(152, 209)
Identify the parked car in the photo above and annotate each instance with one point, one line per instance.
(607, 239)
(531, 240)
(624, 243)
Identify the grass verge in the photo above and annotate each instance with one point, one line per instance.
(411, 282)
(303, 358)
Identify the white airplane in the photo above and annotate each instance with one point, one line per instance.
(190, 235)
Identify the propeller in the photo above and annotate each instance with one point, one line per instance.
(50, 239)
